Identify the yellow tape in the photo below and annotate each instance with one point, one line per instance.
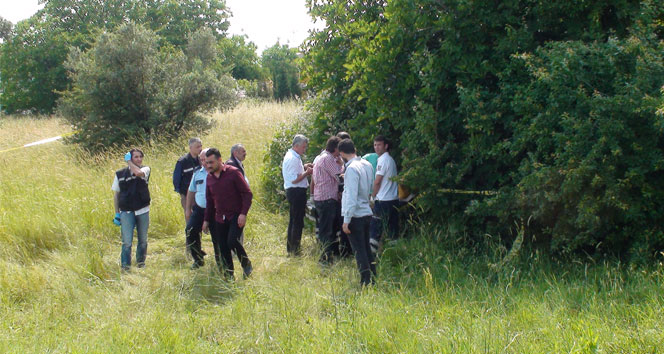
(35, 143)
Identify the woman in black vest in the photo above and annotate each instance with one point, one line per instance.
(132, 205)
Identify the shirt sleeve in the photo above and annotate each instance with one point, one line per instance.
(115, 187)
(245, 192)
(146, 170)
(349, 199)
(381, 166)
(177, 175)
(192, 184)
(209, 206)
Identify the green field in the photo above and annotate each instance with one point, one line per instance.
(61, 288)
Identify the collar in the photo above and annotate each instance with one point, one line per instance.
(351, 160)
(295, 153)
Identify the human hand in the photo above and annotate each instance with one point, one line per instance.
(345, 228)
(206, 227)
(241, 220)
(187, 214)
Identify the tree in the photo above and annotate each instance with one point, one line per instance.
(240, 55)
(5, 29)
(281, 62)
(32, 61)
(126, 90)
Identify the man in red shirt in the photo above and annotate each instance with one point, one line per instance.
(228, 201)
(326, 197)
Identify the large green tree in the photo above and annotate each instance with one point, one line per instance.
(282, 63)
(240, 55)
(32, 60)
(550, 104)
(125, 89)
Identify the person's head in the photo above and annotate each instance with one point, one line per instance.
(381, 145)
(239, 152)
(136, 157)
(347, 149)
(333, 145)
(343, 135)
(195, 146)
(201, 157)
(213, 161)
(300, 144)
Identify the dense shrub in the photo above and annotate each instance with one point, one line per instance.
(126, 90)
(553, 105)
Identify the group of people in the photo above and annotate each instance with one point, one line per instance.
(354, 198)
(343, 187)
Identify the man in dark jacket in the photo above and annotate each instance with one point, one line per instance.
(184, 169)
(132, 207)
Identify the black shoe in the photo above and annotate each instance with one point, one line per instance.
(247, 271)
(196, 265)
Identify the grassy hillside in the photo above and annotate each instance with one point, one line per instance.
(61, 289)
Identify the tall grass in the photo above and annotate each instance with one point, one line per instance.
(61, 289)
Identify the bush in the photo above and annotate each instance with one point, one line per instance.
(125, 90)
(553, 105)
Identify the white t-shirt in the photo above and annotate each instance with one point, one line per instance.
(387, 168)
(116, 188)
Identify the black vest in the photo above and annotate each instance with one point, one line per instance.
(134, 193)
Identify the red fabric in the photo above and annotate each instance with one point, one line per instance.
(227, 196)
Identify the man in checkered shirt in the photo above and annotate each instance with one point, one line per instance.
(326, 197)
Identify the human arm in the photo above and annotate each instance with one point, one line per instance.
(293, 171)
(376, 185)
(209, 208)
(245, 195)
(349, 198)
(137, 171)
(189, 204)
(177, 175)
(116, 202)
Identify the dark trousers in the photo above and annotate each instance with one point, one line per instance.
(386, 214)
(328, 224)
(359, 239)
(193, 232)
(344, 247)
(297, 198)
(226, 238)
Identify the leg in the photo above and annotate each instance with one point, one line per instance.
(290, 196)
(142, 223)
(326, 219)
(128, 221)
(215, 229)
(234, 234)
(376, 228)
(224, 247)
(297, 198)
(359, 239)
(193, 232)
(393, 219)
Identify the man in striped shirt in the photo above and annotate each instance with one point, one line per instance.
(326, 197)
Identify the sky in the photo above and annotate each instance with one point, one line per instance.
(263, 21)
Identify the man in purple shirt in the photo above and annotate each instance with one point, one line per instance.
(228, 201)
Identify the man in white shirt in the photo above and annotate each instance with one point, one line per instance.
(132, 207)
(356, 210)
(385, 193)
(295, 175)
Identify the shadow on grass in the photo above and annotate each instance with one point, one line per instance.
(208, 284)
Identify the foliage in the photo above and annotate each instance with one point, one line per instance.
(126, 90)
(281, 62)
(256, 89)
(32, 59)
(239, 55)
(552, 104)
(5, 29)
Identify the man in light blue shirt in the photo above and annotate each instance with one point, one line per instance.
(295, 175)
(356, 210)
(195, 212)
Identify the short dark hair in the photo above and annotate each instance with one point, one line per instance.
(384, 140)
(343, 135)
(213, 151)
(332, 144)
(347, 146)
(132, 151)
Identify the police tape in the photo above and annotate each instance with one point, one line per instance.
(40, 142)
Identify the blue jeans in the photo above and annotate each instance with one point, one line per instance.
(128, 221)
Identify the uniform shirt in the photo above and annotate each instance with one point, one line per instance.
(197, 186)
(291, 168)
(325, 175)
(115, 187)
(227, 195)
(357, 183)
(387, 168)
